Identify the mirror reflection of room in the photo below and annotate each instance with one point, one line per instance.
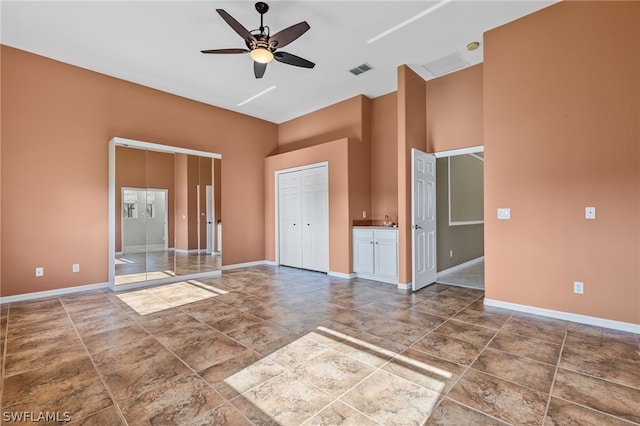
(167, 215)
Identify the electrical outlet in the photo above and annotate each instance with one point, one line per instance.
(39, 271)
(364, 214)
(578, 287)
(450, 253)
(589, 212)
(504, 214)
(75, 267)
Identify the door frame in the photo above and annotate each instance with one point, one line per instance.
(276, 176)
(451, 153)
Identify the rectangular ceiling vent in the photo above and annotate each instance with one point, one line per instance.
(446, 64)
(360, 69)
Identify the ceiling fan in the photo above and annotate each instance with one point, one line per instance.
(261, 45)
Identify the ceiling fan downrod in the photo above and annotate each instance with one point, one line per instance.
(262, 8)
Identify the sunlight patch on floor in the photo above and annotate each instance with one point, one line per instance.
(155, 299)
(286, 384)
(143, 276)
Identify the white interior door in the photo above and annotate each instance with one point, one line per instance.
(423, 218)
(315, 219)
(290, 219)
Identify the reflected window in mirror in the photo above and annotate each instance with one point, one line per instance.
(129, 204)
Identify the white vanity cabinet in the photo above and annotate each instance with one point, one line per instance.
(375, 253)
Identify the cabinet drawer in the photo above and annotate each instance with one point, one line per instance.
(390, 235)
(365, 234)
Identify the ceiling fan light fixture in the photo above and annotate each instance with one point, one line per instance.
(261, 55)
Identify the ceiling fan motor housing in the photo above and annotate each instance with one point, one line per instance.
(261, 41)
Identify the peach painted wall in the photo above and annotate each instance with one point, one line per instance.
(454, 110)
(137, 168)
(360, 165)
(337, 153)
(57, 120)
(187, 171)
(347, 119)
(384, 157)
(182, 201)
(562, 133)
(341, 120)
(411, 134)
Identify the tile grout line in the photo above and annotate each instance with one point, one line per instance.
(598, 411)
(555, 374)
(335, 399)
(4, 354)
(130, 314)
(196, 373)
(468, 367)
(106, 387)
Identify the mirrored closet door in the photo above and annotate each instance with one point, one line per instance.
(164, 213)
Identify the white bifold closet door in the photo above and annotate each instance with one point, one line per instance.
(303, 209)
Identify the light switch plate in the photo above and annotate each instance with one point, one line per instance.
(504, 213)
(589, 212)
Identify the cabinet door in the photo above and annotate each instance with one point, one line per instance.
(386, 258)
(363, 255)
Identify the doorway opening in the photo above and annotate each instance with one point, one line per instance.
(460, 217)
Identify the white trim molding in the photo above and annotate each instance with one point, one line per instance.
(407, 286)
(460, 266)
(245, 265)
(568, 316)
(459, 151)
(49, 293)
(342, 275)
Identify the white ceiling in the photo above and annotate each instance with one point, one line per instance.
(157, 44)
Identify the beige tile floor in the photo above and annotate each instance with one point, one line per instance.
(269, 345)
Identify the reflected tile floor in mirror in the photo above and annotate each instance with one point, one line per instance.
(136, 267)
(273, 345)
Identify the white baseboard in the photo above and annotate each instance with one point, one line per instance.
(245, 265)
(49, 293)
(407, 286)
(190, 251)
(342, 275)
(568, 316)
(270, 263)
(374, 277)
(460, 266)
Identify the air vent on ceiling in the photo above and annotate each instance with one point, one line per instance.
(360, 69)
(446, 64)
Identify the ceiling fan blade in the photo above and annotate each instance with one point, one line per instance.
(226, 51)
(286, 36)
(288, 58)
(259, 69)
(237, 26)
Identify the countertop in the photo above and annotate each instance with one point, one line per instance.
(374, 227)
